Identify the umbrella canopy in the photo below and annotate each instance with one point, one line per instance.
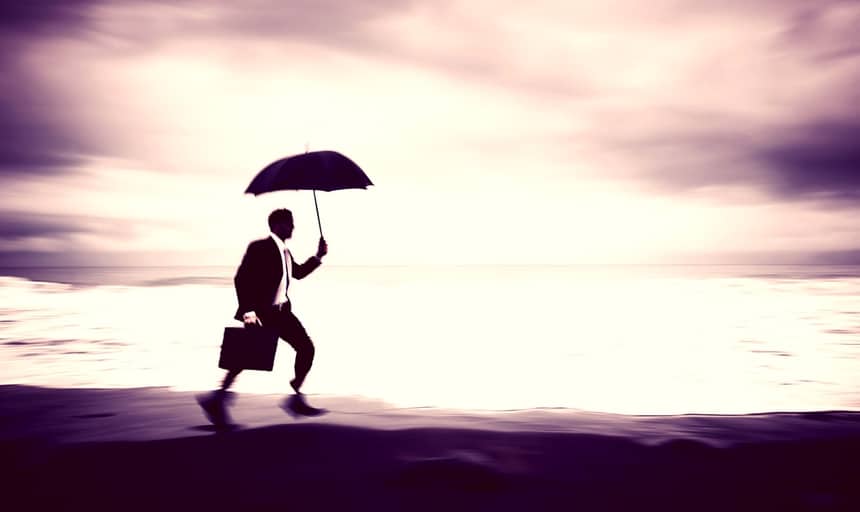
(317, 170)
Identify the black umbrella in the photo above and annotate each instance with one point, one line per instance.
(317, 170)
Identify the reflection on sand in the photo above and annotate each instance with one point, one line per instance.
(147, 449)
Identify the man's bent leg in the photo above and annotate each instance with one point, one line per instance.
(292, 331)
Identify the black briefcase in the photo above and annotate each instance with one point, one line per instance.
(248, 348)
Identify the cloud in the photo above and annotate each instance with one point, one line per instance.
(36, 137)
(330, 21)
(768, 106)
(38, 232)
(19, 224)
(846, 257)
(59, 101)
(40, 17)
(22, 225)
(144, 26)
(450, 37)
(817, 160)
(825, 30)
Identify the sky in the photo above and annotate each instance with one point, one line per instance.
(495, 132)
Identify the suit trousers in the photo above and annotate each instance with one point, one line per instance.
(291, 330)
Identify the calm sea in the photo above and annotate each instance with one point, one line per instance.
(628, 339)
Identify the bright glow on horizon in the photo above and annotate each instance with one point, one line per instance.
(591, 339)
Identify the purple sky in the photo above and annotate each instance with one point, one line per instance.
(496, 132)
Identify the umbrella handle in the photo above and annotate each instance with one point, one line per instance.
(318, 213)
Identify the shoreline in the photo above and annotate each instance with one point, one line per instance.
(72, 415)
(150, 448)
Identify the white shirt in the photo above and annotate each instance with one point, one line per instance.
(281, 295)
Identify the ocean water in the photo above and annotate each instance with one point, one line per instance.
(625, 339)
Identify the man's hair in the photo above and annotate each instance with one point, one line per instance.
(280, 216)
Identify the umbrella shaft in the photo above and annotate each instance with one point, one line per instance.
(317, 208)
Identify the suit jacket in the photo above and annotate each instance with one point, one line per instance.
(260, 273)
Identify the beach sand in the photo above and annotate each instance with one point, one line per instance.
(152, 449)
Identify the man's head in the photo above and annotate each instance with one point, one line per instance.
(281, 223)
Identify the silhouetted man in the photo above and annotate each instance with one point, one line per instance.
(261, 285)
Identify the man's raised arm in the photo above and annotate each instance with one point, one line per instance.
(301, 270)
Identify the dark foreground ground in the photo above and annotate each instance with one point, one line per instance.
(64, 450)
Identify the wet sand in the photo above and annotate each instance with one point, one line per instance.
(152, 449)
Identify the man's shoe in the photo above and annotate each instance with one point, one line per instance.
(296, 386)
(295, 405)
(213, 405)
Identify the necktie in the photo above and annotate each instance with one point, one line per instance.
(286, 270)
